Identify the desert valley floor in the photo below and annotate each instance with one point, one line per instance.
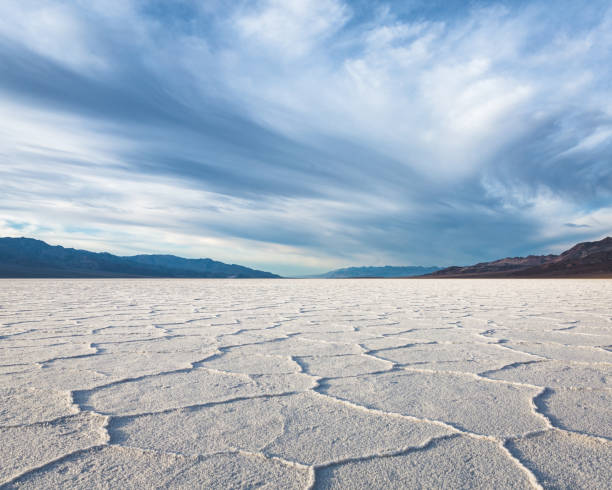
(305, 383)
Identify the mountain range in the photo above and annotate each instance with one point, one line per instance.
(385, 271)
(27, 257)
(587, 259)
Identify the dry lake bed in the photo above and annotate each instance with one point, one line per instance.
(306, 383)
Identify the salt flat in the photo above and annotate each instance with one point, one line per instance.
(306, 383)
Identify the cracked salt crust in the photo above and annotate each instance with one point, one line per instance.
(461, 400)
(562, 352)
(26, 447)
(233, 361)
(22, 406)
(580, 410)
(11, 354)
(472, 357)
(566, 460)
(129, 468)
(562, 374)
(340, 366)
(305, 428)
(302, 384)
(187, 388)
(458, 462)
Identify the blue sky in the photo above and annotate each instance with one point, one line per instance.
(299, 136)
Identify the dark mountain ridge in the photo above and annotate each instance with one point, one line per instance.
(587, 259)
(27, 257)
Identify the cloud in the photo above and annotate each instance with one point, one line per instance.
(302, 135)
(291, 28)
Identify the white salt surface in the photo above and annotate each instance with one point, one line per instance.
(305, 383)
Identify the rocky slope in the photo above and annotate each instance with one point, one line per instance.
(587, 259)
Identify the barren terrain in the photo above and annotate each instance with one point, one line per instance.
(305, 383)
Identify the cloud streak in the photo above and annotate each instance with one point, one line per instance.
(303, 135)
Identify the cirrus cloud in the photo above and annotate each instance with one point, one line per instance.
(303, 135)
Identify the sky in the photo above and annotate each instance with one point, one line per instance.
(299, 136)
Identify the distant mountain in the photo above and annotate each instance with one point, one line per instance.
(198, 266)
(386, 271)
(587, 259)
(26, 257)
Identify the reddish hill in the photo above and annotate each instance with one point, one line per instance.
(588, 259)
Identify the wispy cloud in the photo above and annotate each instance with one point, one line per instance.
(306, 134)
